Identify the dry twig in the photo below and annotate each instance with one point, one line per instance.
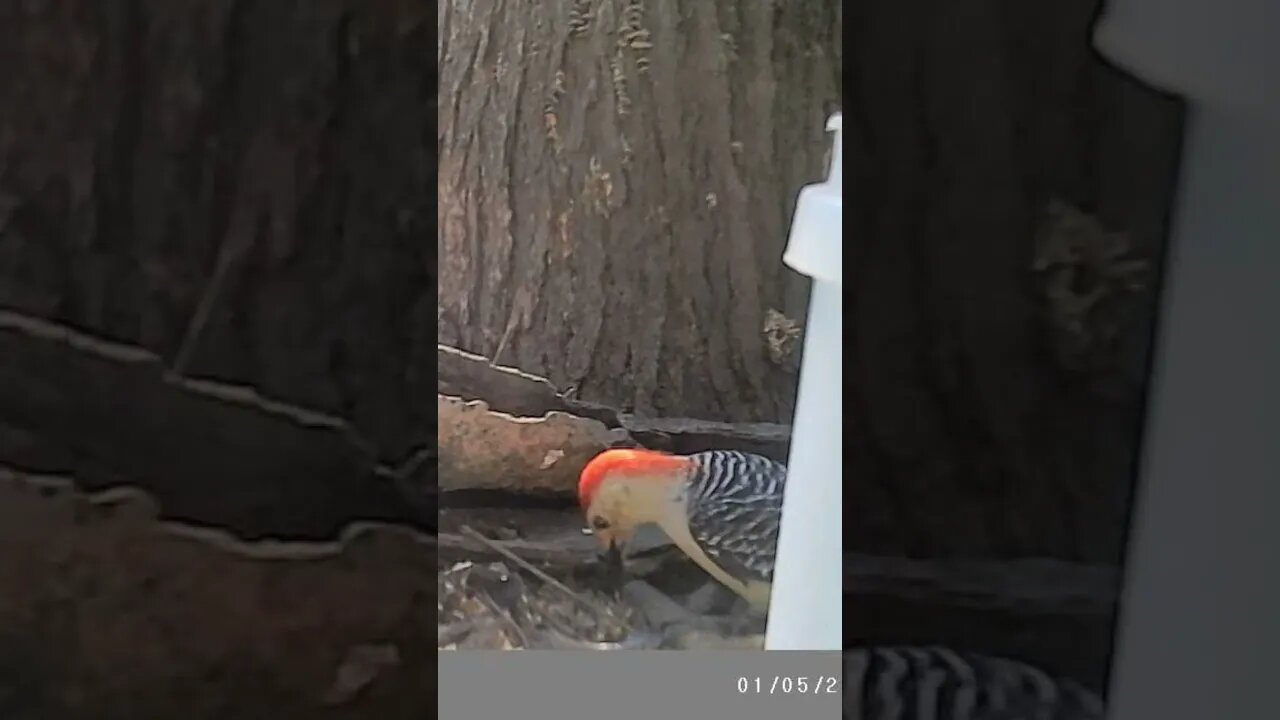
(540, 574)
(505, 617)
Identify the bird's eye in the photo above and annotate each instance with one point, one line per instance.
(599, 523)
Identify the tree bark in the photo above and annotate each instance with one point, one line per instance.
(993, 410)
(239, 186)
(615, 185)
(615, 182)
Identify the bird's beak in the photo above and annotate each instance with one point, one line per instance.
(613, 555)
(612, 561)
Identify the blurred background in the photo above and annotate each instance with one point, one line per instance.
(214, 270)
(213, 286)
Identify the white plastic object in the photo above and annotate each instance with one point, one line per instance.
(805, 607)
(1199, 626)
(1220, 53)
(815, 247)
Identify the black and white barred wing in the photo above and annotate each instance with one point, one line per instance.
(735, 504)
(910, 683)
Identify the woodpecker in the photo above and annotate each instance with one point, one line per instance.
(720, 507)
(895, 683)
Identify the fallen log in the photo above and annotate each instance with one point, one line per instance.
(103, 605)
(506, 389)
(110, 414)
(480, 449)
(689, 435)
(520, 394)
(504, 429)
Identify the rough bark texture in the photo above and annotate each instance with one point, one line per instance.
(615, 184)
(614, 187)
(485, 450)
(998, 340)
(214, 454)
(214, 284)
(508, 430)
(240, 186)
(513, 398)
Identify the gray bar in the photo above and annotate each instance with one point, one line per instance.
(1200, 624)
(640, 685)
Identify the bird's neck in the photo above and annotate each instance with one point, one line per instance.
(664, 502)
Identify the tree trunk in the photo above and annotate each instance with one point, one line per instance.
(240, 186)
(616, 180)
(999, 340)
(195, 191)
(615, 186)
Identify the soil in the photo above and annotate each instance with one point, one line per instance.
(493, 606)
(488, 601)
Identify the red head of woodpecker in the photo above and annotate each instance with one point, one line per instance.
(620, 490)
(720, 507)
